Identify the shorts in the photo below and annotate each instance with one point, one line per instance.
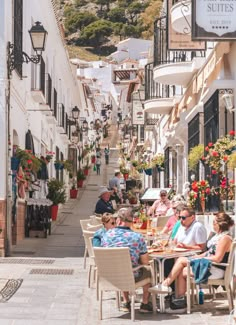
(144, 273)
(216, 273)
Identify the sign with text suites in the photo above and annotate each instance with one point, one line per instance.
(182, 41)
(137, 113)
(214, 20)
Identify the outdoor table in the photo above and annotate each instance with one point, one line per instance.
(161, 257)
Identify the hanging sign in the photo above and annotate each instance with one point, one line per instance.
(214, 20)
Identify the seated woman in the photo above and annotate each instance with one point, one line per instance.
(108, 222)
(218, 251)
(169, 226)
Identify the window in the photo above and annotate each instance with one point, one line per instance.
(194, 138)
(18, 31)
(167, 167)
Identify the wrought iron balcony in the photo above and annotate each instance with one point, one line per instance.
(158, 97)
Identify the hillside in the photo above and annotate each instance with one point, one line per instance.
(92, 28)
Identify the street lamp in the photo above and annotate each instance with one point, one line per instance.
(38, 39)
(75, 113)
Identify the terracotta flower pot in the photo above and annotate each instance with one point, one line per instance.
(86, 172)
(73, 193)
(54, 211)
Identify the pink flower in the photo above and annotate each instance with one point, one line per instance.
(214, 172)
(232, 132)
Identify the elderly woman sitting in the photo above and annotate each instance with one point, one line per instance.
(218, 251)
(108, 222)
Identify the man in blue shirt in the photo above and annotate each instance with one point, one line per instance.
(103, 204)
(123, 236)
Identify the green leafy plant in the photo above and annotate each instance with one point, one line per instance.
(195, 155)
(68, 165)
(56, 191)
(80, 175)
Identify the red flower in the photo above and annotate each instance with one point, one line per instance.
(225, 158)
(203, 183)
(203, 158)
(210, 144)
(215, 154)
(214, 172)
(194, 186)
(195, 196)
(207, 149)
(208, 191)
(232, 132)
(202, 198)
(29, 161)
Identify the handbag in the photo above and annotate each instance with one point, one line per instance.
(94, 168)
(178, 303)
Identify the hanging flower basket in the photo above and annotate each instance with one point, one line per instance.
(57, 166)
(148, 171)
(15, 163)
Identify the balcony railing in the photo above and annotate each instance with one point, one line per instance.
(164, 56)
(156, 90)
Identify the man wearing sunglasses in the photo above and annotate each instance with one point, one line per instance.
(123, 236)
(191, 234)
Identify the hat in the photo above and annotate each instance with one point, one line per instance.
(163, 192)
(103, 190)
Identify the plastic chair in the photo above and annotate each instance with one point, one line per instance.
(226, 281)
(115, 273)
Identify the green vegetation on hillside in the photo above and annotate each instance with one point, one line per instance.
(95, 23)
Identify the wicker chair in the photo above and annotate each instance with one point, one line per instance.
(88, 235)
(115, 273)
(226, 281)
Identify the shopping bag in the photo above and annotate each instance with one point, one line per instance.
(94, 168)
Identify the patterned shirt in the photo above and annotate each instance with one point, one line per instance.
(125, 237)
(98, 236)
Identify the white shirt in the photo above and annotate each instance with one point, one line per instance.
(194, 235)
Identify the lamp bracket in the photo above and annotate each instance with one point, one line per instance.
(16, 57)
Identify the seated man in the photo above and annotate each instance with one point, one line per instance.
(123, 236)
(191, 234)
(103, 204)
(160, 206)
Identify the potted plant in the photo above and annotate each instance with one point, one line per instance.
(125, 172)
(68, 165)
(73, 192)
(80, 178)
(57, 194)
(132, 197)
(86, 170)
(195, 155)
(58, 164)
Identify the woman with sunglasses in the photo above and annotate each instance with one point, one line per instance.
(108, 222)
(218, 252)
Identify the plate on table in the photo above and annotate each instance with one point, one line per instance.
(180, 249)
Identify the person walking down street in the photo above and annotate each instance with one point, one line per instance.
(98, 165)
(107, 153)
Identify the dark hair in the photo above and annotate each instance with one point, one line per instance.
(117, 173)
(190, 211)
(224, 221)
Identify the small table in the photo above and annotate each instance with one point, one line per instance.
(161, 257)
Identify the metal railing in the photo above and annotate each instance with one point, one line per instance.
(156, 90)
(161, 53)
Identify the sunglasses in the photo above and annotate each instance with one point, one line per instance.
(183, 217)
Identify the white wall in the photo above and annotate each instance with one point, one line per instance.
(2, 100)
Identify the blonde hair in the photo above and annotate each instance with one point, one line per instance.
(106, 217)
